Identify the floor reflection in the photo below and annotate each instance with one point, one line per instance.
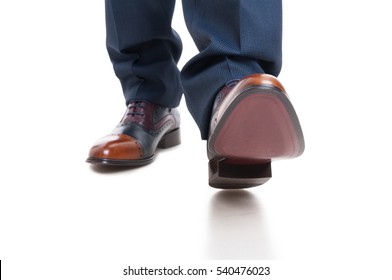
(237, 229)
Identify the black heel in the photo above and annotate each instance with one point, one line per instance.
(226, 175)
(170, 139)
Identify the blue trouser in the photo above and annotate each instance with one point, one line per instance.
(235, 38)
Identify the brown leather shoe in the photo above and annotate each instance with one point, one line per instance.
(253, 122)
(144, 128)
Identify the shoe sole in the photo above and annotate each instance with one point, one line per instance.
(170, 139)
(259, 125)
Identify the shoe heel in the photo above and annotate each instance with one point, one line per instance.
(170, 139)
(226, 175)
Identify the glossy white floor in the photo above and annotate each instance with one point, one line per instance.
(326, 214)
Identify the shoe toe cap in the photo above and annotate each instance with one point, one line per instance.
(116, 147)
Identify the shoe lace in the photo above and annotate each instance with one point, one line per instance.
(134, 113)
(136, 108)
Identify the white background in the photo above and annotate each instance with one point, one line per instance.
(325, 215)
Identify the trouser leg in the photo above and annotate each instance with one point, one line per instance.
(144, 49)
(235, 38)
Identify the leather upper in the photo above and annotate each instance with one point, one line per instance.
(138, 133)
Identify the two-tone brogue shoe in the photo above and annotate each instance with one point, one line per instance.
(144, 128)
(253, 122)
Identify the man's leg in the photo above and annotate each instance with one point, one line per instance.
(242, 110)
(235, 38)
(144, 50)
